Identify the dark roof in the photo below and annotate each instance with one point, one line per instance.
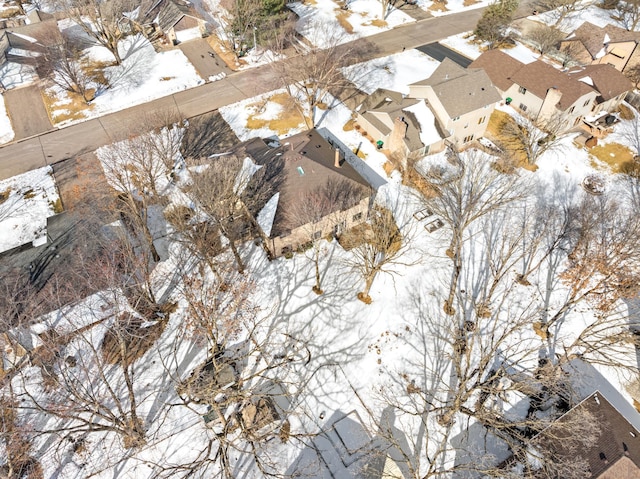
(593, 37)
(172, 11)
(315, 156)
(617, 438)
(605, 78)
(461, 90)
(538, 77)
(499, 66)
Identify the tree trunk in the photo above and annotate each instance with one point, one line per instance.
(236, 255)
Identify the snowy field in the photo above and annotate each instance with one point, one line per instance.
(144, 75)
(319, 23)
(27, 201)
(395, 72)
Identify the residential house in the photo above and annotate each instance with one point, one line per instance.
(404, 126)
(174, 21)
(591, 44)
(541, 90)
(306, 163)
(615, 452)
(23, 44)
(462, 100)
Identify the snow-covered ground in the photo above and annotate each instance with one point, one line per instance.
(358, 357)
(144, 75)
(592, 14)
(30, 200)
(319, 23)
(6, 130)
(394, 72)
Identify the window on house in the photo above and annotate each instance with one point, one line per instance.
(317, 235)
(523, 107)
(468, 138)
(522, 90)
(482, 120)
(587, 102)
(357, 217)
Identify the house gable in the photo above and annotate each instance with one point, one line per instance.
(459, 90)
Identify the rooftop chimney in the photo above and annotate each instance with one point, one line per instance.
(336, 158)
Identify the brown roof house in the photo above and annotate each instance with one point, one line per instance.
(591, 44)
(311, 171)
(462, 100)
(405, 126)
(612, 453)
(174, 20)
(540, 90)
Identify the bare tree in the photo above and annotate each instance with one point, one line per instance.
(630, 131)
(63, 64)
(545, 38)
(464, 194)
(320, 207)
(105, 21)
(380, 249)
(387, 6)
(311, 78)
(560, 10)
(628, 13)
(528, 138)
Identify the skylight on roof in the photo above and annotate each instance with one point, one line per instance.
(300, 170)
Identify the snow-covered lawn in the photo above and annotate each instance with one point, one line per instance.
(592, 14)
(324, 23)
(26, 201)
(464, 43)
(451, 6)
(6, 130)
(394, 72)
(144, 75)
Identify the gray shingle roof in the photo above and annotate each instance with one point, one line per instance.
(461, 90)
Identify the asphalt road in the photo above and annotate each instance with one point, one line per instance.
(440, 52)
(51, 147)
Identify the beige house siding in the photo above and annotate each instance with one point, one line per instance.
(547, 107)
(330, 224)
(618, 61)
(533, 103)
(634, 60)
(366, 127)
(466, 128)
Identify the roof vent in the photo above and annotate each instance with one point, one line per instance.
(632, 434)
(603, 457)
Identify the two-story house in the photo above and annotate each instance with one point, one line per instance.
(591, 44)
(540, 90)
(462, 100)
